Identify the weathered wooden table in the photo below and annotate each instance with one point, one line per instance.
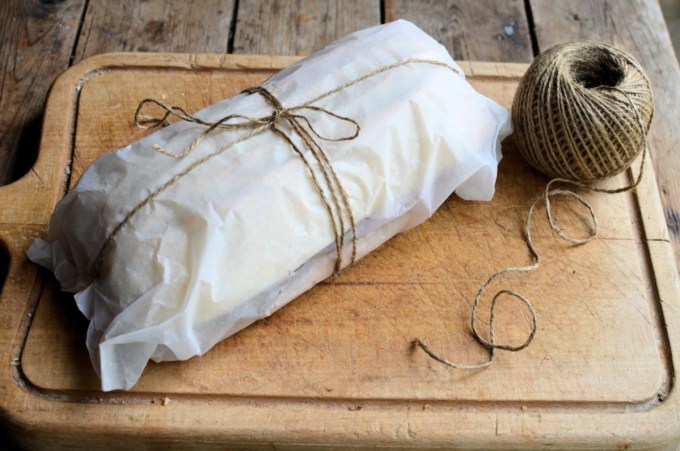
(41, 39)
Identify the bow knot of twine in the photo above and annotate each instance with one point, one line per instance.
(333, 195)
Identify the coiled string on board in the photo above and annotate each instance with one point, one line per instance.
(581, 114)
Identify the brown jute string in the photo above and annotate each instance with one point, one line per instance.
(336, 203)
(593, 150)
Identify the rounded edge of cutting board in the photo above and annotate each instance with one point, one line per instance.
(56, 420)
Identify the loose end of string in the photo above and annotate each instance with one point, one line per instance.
(593, 230)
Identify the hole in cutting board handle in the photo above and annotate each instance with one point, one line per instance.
(4, 264)
(25, 152)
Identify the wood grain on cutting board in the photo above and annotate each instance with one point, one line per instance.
(335, 367)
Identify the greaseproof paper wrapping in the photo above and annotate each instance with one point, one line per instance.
(238, 237)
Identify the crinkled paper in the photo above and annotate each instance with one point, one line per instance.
(240, 236)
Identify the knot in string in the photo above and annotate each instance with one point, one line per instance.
(324, 176)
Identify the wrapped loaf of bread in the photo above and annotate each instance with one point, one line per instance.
(174, 243)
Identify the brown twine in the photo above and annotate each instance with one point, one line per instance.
(337, 204)
(572, 112)
(581, 113)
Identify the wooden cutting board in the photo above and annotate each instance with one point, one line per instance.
(336, 367)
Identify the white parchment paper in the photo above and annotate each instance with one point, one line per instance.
(245, 233)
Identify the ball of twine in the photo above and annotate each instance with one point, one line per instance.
(578, 109)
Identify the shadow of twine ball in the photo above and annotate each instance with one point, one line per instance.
(582, 111)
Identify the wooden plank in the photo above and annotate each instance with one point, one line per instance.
(155, 26)
(299, 27)
(335, 367)
(638, 27)
(481, 30)
(36, 38)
